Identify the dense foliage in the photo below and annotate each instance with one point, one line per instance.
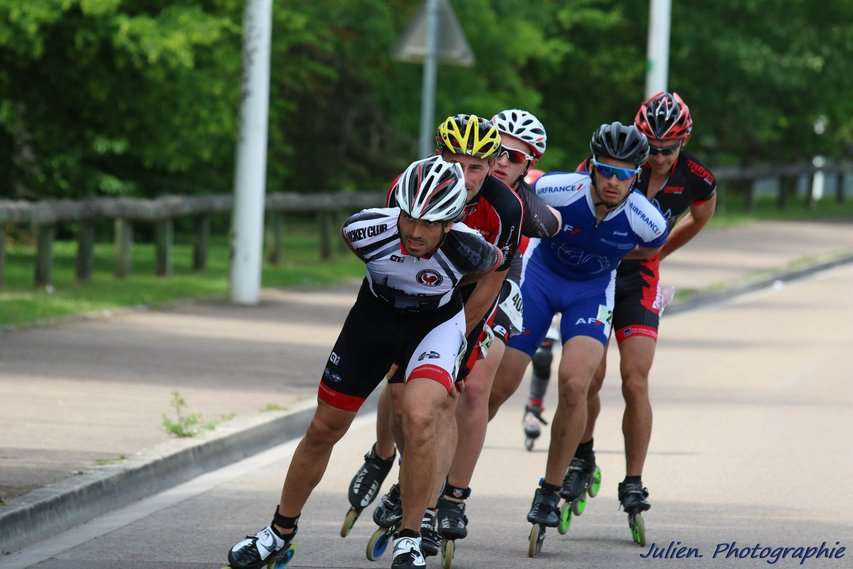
(132, 97)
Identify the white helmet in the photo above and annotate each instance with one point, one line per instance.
(524, 126)
(432, 189)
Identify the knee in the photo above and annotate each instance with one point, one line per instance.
(635, 387)
(476, 392)
(419, 425)
(573, 388)
(324, 433)
(542, 360)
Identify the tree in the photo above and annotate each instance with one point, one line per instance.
(110, 97)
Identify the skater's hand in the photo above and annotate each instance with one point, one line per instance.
(391, 371)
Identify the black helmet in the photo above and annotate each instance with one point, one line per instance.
(620, 142)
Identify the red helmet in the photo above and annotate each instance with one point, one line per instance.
(664, 116)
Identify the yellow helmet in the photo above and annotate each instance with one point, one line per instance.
(468, 134)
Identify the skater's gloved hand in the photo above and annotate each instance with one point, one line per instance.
(665, 296)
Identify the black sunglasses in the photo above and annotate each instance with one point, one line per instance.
(665, 151)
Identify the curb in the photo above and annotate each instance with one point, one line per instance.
(76, 500)
(710, 298)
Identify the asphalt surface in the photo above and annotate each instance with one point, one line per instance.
(752, 418)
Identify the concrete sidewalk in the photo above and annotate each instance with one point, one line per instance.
(83, 402)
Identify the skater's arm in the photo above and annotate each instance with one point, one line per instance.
(689, 226)
(640, 253)
(482, 298)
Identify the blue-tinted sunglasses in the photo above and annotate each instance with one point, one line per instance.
(608, 171)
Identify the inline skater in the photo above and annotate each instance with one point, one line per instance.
(573, 273)
(684, 190)
(523, 142)
(496, 213)
(408, 312)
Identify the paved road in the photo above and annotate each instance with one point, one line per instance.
(93, 392)
(752, 400)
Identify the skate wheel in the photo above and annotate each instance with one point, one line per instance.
(579, 505)
(638, 528)
(282, 561)
(377, 544)
(595, 484)
(565, 518)
(349, 521)
(528, 443)
(448, 548)
(537, 537)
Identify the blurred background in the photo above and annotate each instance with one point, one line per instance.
(132, 98)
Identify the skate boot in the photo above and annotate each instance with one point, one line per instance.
(543, 514)
(544, 510)
(430, 538)
(364, 486)
(389, 512)
(407, 553)
(267, 547)
(633, 499)
(583, 478)
(452, 521)
(387, 516)
(531, 424)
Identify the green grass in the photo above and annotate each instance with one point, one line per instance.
(110, 461)
(20, 303)
(731, 211)
(189, 425)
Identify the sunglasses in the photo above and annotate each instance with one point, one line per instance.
(665, 151)
(513, 155)
(608, 171)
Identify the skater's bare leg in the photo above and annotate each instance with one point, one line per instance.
(424, 401)
(311, 458)
(581, 356)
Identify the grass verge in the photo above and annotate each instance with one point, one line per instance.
(21, 304)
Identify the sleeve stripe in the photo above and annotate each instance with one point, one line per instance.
(439, 257)
(365, 216)
(384, 251)
(367, 249)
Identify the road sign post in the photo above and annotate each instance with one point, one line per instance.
(433, 35)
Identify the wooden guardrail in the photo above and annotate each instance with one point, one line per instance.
(743, 179)
(44, 216)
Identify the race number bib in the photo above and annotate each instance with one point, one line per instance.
(513, 306)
